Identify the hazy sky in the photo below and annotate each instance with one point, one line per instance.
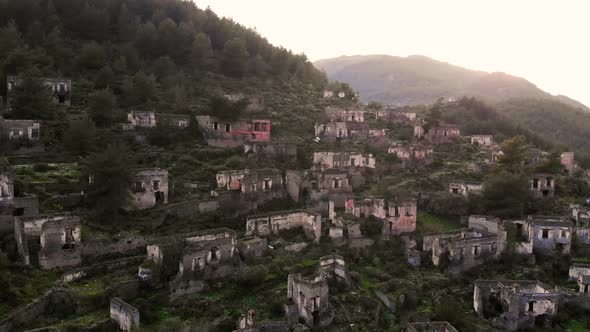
(546, 42)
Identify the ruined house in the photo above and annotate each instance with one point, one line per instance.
(482, 140)
(395, 115)
(543, 185)
(278, 151)
(316, 189)
(137, 119)
(60, 89)
(20, 136)
(52, 241)
(150, 188)
(534, 156)
(273, 223)
(260, 185)
(550, 235)
(248, 323)
(125, 315)
(330, 159)
(580, 215)
(442, 134)
(233, 133)
(207, 255)
(345, 115)
(567, 160)
(309, 300)
(515, 304)
(580, 273)
(180, 121)
(465, 188)
(484, 239)
(430, 327)
(413, 155)
(419, 131)
(398, 215)
(332, 131)
(333, 266)
(252, 247)
(12, 206)
(339, 130)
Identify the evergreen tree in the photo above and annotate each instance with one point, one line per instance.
(80, 137)
(201, 52)
(235, 58)
(513, 155)
(92, 56)
(31, 100)
(10, 39)
(102, 107)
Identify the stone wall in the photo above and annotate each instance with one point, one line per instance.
(273, 223)
(125, 315)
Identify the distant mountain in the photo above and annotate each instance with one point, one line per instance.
(417, 79)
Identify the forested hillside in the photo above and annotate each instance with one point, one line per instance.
(417, 79)
(148, 53)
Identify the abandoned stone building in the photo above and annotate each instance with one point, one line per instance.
(260, 185)
(316, 189)
(11, 206)
(515, 304)
(568, 162)
(442, 134)
(180, 121)
(398, 215)
(580, 215)
(550, 235)
(412, 155)
(484, 239)
(273, 223)
(252, 247)
(465, 188)
(338, 131)
(137, 119)
(125, 315)
(580, 273)
(309, 300)
(150, 188)
(333, 266)
(248, 323)
(330, 159)
(52, 241)
(534, 156)
(543, 185)
(233, 133)
(430, 327)
(395, 115)
(419, 131)
(278, 151)
(206, 256)
(20, 136)
(332, 131)
(345, 115)
(60, 89)
(482, 140)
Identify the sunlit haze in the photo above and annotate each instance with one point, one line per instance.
(546, 42)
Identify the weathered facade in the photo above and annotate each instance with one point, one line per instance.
(465, 188)
(316, 189)
(543, 185)
(395, 115)
(482, 140)
(279, 151)
(125, 315)
(581, 274)
(442, 134)
(137, 119)
(53, 241)
(150, 188)
(431, 327)
(180, 121)
(206, 256)
(275, 222)
(398, 215)
(551, 235)
(310, 298)
(568, 162)
(332, 131)
(329, 159)
(248, 323)
(413, 155)
(333, 266)
(233, 133)
(252, 247)
(580, 215)
(484, 239)
(515, 304)
(20, 136)
(260, 185)
(60, 89)
(345, 115)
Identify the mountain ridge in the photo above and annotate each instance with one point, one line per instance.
(418, 79)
